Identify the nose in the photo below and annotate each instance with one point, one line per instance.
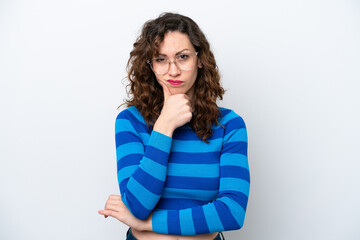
(173, 69)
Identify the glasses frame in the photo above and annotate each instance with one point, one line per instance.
(169, 62)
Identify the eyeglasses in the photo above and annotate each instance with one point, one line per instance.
(185, 61)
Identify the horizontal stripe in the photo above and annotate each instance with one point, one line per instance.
(236, 135)
(234, 159)
(126, 137)
(138, 122)
(154, 169)
(126, 172)
(135, 113)
(189, 170)
(178, 203)
(189, 134)
(195, 158)
(240, 198)
(228, 116)
(234, 184)
(160, 141)
(202, 195)
(235, 147)
(235, 123)
(196, 146)
(201, 183)
(129, 148)
(151, 183)
(124, 125)
(142, 194)
(235, 172)
(157, 155)
(145, 137)
(129, 160)
(224, 111)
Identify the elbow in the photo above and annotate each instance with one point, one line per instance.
(237, 210)
(136, 208)
(235, 225)
(240, 218)
(141, 215)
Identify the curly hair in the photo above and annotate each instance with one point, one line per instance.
(147, 93)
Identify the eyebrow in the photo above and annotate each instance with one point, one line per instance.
(176, 53)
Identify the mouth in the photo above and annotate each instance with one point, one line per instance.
(174, 82)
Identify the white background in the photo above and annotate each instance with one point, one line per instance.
(291, 69)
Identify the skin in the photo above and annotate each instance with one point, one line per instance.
(176, 112)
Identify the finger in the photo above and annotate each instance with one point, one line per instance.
(113, 207)
(114, 201)
(113, 196)
(107, 213)
(101, 212)
(166, 90)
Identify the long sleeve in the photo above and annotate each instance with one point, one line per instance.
(141, 169)
(227, 211)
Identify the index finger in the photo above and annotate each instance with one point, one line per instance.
(166, 90)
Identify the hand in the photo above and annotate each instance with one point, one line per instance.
(115, 208)
(176, 110)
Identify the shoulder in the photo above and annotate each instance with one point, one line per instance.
(132, 115)
(229, 117)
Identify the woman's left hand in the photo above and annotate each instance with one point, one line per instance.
(115, 208)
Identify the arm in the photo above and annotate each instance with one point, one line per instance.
(141, 170)
(227, 211)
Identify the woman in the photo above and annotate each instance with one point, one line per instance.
(182, 160)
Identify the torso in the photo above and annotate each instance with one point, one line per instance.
(158, 236)
(192, 181)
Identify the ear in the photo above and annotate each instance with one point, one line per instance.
(199, 64)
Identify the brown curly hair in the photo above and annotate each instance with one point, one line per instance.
(147, 93)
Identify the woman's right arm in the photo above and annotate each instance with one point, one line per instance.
(141, 169)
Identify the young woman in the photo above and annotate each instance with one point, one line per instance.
(182, 160)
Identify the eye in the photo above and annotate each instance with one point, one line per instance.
(159, 59)
(183, 57)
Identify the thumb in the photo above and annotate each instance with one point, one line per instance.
(166, 90)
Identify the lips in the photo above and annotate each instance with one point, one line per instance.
(174, 82)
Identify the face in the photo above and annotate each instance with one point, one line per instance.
(173, 44)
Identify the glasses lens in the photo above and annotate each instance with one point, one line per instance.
(184, 61)
(160, 65)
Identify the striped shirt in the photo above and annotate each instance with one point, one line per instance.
(190, 186)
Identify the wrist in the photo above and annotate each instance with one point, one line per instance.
(163, 126)
(145, 225)
(148, 224)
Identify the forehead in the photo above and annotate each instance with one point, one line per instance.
(175, 42)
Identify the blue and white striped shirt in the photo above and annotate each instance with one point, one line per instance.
(192, 187)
